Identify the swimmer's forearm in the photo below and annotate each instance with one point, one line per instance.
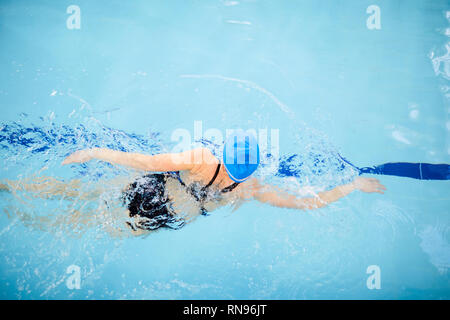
(326, 197)
(281, 199)
(368, 185)
(322, 199)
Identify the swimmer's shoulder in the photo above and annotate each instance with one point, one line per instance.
(203, 159)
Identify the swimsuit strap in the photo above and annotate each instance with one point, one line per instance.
(201, 198)
(230, 187)
(203, 211)
(177, 175)
(226, 189)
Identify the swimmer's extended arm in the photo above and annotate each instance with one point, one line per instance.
(279, 198)
(161, 162)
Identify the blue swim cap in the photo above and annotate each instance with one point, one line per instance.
(240, 155)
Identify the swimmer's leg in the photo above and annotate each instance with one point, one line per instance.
(76, 221)
(421, 171)
(70, 220)
(50, 188)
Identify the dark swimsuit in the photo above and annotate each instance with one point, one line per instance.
(146, 199)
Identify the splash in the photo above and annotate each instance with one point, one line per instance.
(46, 143)
(441, 64)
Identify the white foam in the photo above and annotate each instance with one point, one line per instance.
(441, 65)
(397, 135)
(239, 22)
(230, 3)
(414, 114)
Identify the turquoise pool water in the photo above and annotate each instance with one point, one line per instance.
(134, 72)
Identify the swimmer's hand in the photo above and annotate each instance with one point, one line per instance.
(79, 156)
(368, 185)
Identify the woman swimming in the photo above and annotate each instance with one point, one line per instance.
(174, 188)
(154, 200)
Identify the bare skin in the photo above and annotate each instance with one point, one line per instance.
(200, 164)
(197, 165)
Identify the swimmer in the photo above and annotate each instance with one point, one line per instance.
(175, 188)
